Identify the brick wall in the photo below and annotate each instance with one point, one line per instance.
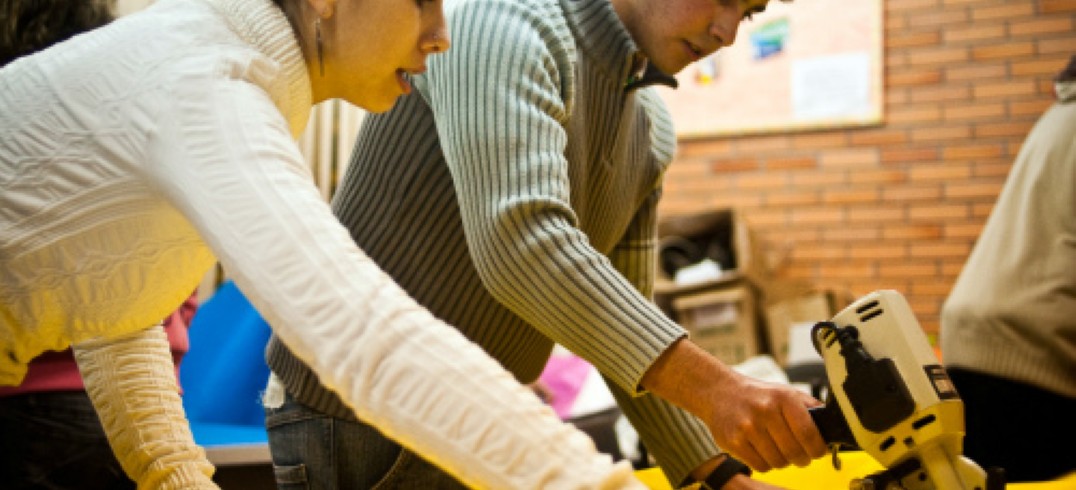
(897, 205)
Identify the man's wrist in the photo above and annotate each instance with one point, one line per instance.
(724, 472)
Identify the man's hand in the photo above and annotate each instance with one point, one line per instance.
(765, 425)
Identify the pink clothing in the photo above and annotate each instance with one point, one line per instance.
(57, 371)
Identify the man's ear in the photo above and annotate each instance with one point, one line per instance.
(324, 8)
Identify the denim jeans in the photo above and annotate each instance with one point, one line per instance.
(312, 450)
(55, 441)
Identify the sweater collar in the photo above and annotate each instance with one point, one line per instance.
(604, 40)
(262, 24)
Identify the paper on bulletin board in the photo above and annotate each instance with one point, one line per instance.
(797, 66)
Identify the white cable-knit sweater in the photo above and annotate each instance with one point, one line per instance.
(132, 156)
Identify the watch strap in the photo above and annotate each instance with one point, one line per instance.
(724, 472)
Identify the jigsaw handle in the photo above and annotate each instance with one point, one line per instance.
(832, 425)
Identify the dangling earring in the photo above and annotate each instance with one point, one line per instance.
(317, 38)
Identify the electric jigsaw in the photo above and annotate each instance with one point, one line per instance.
(889, 396)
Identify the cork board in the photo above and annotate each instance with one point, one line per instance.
(802, 65)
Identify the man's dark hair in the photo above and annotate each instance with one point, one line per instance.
(27, 26)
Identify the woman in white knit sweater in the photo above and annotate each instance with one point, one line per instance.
(134, 156)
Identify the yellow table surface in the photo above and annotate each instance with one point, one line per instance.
(820, 475)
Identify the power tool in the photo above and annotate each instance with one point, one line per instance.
(889, 396)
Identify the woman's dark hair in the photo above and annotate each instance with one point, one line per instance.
(1069, 73)
(27, 26)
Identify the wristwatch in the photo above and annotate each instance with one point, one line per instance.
(724, 472)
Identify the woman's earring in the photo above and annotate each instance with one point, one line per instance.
(317, 38)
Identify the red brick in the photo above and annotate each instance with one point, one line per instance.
(963, 230)
(1045, 87)
(1043, 67)
(939, 250)
(992, 170)
(912, 232)
(906, 40)
(974, 32)
(877, 176)
(1039, 27)
(976, 72)
(1004, 11)
(1008, 50)
(880, 137)
(928, 288)
(912, 193)
(762, 181)
(812, 252)
(982, 210)
(792, 198)
(937, 17)
(952, 268)
(1057, 6)
(894, 6)
(945, 172)
(816, 216)
(938, 211)
(970, 2)
(949, 92)
(905, 270)
(1057, 45)
(850, 196)
(1029, 107)
(791, 163)
(819, 178)
(734, 165)
(913, 78)
(906, 155)
(845, 269)
(974, 111)
(1004, 89)
(988, 190)
(914, 114)
(759, 144)
(993, 130)
(708, 148)
(970, 152)
(768, 217)
(956, 132)
(864, 157)
(828, 139)
(939, 56)
(876, 214)
(882, 251)
(851, 234)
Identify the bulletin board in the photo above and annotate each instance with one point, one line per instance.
(800, 65)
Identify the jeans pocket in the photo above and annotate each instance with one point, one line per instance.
(291, 477)
(398, 469)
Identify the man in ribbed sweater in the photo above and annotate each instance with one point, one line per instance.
(514, 195)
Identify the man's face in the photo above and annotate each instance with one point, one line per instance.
(674, 33)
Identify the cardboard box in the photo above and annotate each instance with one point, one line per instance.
(721, 235)
(789, 314)
(721, 322)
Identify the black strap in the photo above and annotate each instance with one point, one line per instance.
(724, 472)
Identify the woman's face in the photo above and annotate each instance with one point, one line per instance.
(369, 47)
(674, 33)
